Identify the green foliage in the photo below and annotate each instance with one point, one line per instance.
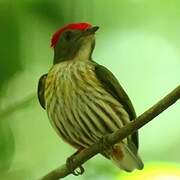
(9, 46)
(138, 41)
(7, 146)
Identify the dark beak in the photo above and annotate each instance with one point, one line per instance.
(90, 31)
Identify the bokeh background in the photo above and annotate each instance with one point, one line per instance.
(138, 40)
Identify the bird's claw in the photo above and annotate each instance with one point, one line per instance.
(76, 172)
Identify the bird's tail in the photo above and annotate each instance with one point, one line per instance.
(125, 158)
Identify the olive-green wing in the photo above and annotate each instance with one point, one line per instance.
(41, 88)
(112, 85)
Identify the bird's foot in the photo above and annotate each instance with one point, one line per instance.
(70, 165)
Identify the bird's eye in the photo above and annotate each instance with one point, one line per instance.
(68, 35)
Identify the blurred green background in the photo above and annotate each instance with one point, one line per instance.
(138, 40)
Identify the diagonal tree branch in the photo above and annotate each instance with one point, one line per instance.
(117, 136)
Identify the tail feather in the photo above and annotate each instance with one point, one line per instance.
(125, 158)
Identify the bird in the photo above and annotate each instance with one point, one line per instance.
(84, 100)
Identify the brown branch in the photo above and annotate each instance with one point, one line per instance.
(117, 136)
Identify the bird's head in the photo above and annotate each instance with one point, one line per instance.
(74, 41)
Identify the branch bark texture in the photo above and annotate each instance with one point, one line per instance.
(117, 136)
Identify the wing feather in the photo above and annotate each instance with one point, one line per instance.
(41, 88)
(112, 85)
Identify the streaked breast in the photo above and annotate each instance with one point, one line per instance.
(78, 106)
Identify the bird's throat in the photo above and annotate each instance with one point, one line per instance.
(84, 53)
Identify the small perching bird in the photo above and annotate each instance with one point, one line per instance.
(83, 100)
